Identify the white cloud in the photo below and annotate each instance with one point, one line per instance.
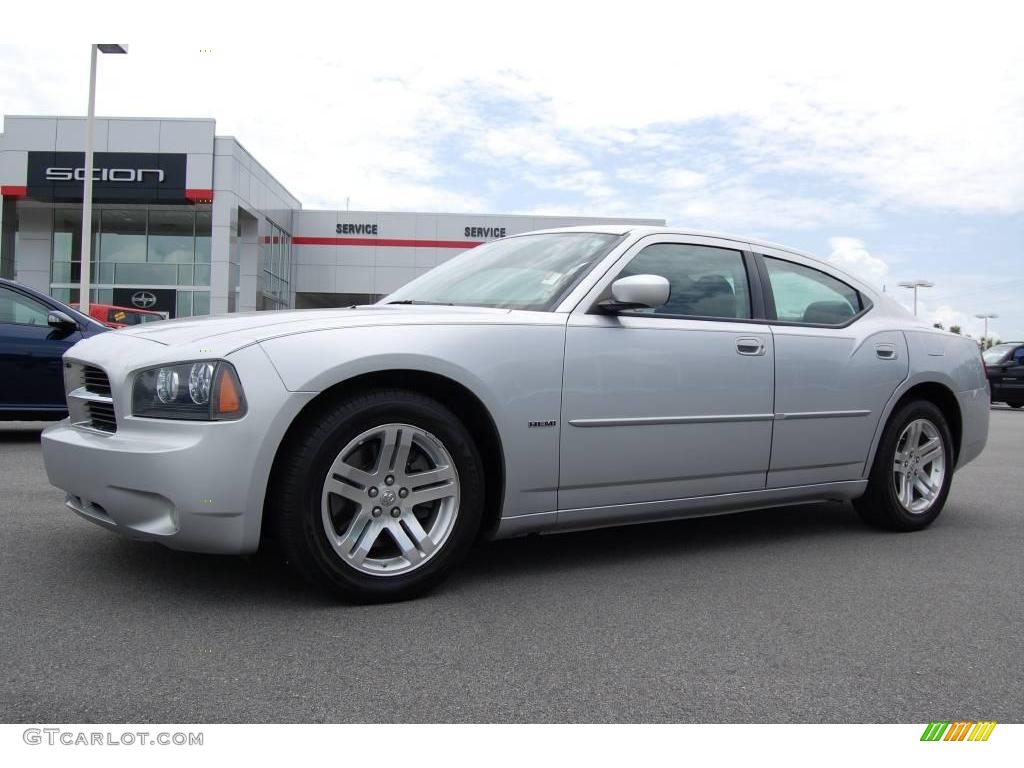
(531, 144)
(914, 105)
(851, 255)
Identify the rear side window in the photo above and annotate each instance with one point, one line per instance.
(706, 282)
(806, 295)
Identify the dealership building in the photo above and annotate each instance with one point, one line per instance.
(191, 220)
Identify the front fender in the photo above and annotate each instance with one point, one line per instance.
(514, 370)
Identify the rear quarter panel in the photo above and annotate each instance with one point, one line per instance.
(954, 362)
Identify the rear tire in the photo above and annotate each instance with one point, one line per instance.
(378, 496)
(912, 471)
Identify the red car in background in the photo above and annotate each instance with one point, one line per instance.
(119, 317)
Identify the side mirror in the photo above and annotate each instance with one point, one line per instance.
(638, 292)
(60, 321)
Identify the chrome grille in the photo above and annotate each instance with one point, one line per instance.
(95, 380)
(90, 397)
(101, 416)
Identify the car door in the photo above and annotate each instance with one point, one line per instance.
(836, 366)
(669, 403)
(1008, 384)
(30, 354)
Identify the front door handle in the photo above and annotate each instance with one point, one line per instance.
(750, 345)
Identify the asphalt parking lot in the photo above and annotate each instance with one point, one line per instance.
(793, 614)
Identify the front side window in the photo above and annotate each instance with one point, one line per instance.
(16, 308)
(705, 281)
(531, 272)
(805, 295)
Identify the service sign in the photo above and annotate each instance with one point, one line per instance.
(117, 177)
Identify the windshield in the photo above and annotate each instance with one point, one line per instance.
(532, 272)
(994, 354)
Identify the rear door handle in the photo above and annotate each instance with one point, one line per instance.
(750, 345)
(885, 351)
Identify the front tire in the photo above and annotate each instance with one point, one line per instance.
(378, 496)
(912, 471)
(1016, 405)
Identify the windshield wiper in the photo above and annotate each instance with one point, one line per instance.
(417, 301)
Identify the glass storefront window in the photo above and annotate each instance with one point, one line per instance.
(274, 277)
(183, 307)
(200, 302)
(123, 235)
(136, 246)
(202, 275)
(171, 236)
(204, 230)
(145, 274)
(61, 272)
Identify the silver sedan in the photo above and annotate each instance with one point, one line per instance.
(545, 382)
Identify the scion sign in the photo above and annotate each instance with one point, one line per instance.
(117, 177)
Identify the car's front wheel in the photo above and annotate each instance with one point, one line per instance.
(912, 472)
(378, 496)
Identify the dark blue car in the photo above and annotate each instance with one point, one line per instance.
(35, 331)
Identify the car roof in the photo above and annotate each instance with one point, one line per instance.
(647, 229)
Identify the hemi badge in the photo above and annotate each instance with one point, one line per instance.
(546, 423)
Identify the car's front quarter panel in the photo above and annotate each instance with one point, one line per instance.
(194, 485)
(513, 366)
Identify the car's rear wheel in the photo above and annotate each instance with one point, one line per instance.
(912, 472)
(377, 497)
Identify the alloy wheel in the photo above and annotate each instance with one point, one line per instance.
(919, 466)
(390, 499)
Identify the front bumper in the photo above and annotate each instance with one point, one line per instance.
(185, 487)
(190, 485)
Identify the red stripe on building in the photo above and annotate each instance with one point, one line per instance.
(385, 242)
(10, 191)
(199, 195)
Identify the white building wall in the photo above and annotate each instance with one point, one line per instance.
(241, 182)
(35, 230)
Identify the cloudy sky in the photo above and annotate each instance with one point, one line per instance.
(888, 138)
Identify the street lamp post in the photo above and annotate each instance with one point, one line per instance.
(985, 316)
(90, 121)
(915, 284)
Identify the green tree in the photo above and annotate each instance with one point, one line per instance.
(955, 329)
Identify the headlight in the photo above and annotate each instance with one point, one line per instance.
(205, 390)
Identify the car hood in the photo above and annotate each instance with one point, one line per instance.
(228, 332)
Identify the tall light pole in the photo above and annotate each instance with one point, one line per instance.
(915, 284)
(985, 316)
(90, 124)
